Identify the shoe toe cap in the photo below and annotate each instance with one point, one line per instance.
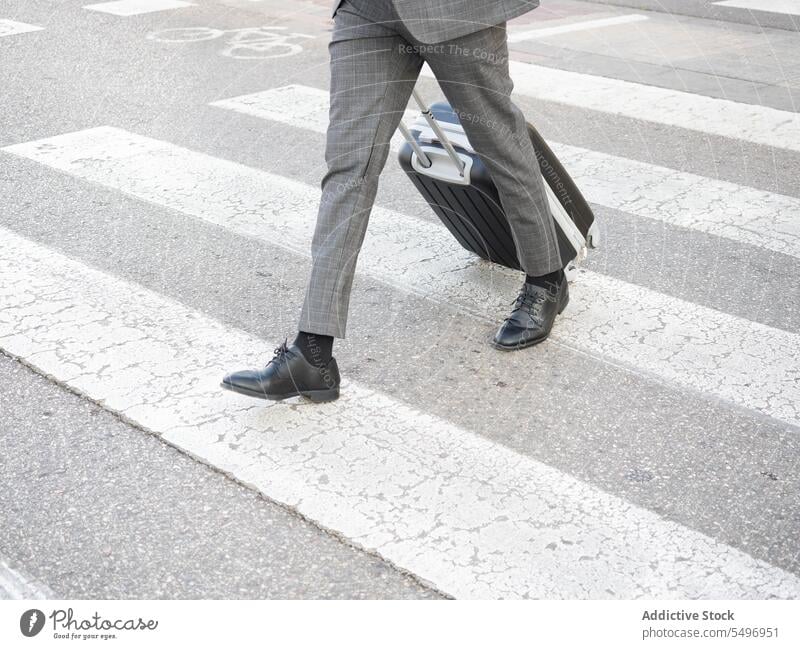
(242, 379)
(511, 336)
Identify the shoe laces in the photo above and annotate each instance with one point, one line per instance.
(280, 352)
(530, 301)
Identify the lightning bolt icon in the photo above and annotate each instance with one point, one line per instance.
(32, 621)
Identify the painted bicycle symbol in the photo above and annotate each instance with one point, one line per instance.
(266, 42)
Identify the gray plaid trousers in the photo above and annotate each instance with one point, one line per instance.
(375, 63)
(434, 21)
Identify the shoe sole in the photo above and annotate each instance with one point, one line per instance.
(525, 345)
(529, 343)
(317, 396)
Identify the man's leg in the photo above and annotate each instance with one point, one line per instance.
(473, 73)
(373, 72)
(372, 75)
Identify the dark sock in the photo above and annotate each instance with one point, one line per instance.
(317, 349)
(545, 280)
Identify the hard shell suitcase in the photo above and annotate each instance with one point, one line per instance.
(440, 161)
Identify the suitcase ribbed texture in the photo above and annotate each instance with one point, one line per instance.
(476, 220)
(473, 212)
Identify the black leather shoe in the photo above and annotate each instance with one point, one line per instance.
(288, 374)
(532, 318)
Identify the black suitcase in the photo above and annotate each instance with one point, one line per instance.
(440, 161)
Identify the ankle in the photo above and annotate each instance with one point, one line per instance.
(556, 277)
(317, 349)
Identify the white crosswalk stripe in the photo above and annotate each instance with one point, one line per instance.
(11, 27)
(471, 517)
(136, 7)
(519, 35)
(736, 212)
(742, 362)
(791, 7)
(709, 115)
(15, 584)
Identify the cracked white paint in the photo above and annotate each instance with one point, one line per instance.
(742, 214)
(136, 7)
(10, 27)
(472, 517)
(743, 362)
(722, 117)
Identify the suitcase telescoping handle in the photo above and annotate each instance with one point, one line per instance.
(423, 158)
(440, 135)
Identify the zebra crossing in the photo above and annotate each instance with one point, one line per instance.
(740, 213)
(736, 360)
(473, 518)
(461, 511)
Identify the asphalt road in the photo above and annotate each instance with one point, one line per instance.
(668, 396)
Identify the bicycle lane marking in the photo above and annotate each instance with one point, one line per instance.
(242, 43)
